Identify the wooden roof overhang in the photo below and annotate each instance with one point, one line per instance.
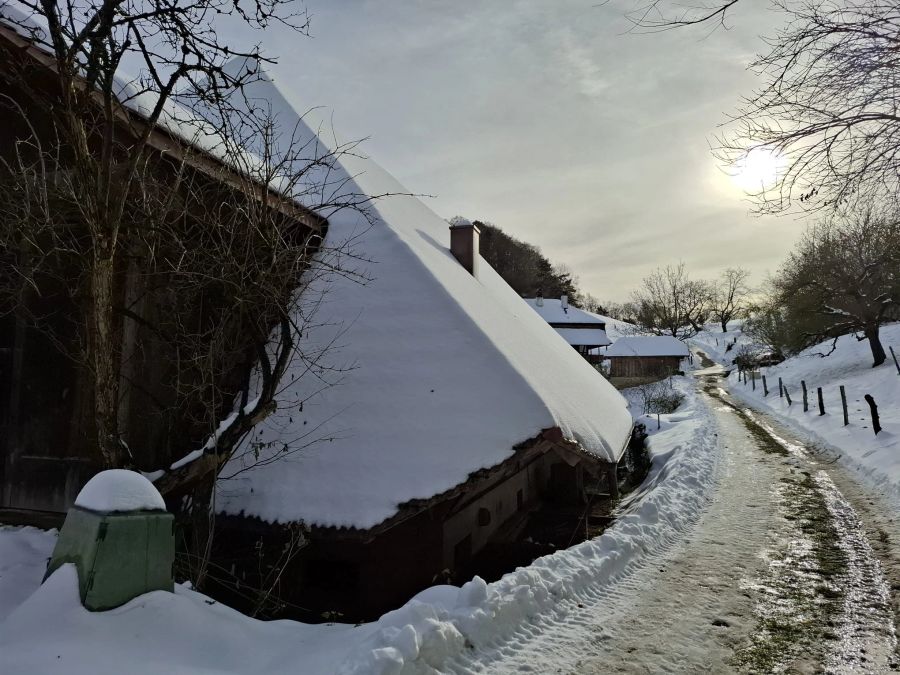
(583, 325)
(167, 143)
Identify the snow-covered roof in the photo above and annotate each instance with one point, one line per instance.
(648, 345)
(584, 336)
(424, 374)
(552, 311)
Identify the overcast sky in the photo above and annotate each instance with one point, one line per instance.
(548, 119)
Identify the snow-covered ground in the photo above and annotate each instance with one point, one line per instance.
(714, 343)
(875, 458)
(47, 630)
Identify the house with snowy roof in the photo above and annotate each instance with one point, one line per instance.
(646, 356)
(443, 413)
(584, 330)
(429, 415)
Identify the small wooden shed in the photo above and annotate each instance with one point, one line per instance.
(646, 356)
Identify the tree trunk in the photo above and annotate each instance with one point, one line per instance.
(724, 325)
(103, 361)
(878, 354)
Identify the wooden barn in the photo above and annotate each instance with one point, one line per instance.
(48, 446)
(446, 423)
(646, 356)
(431, 421)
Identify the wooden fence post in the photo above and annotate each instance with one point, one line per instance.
(895, 359)
(821, 401)
(765, 387)
(876, 424)
(805, 398)
(844, 405)
(787, 396)
(780, 389)
(753, 379)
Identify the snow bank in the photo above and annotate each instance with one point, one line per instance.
(438, 629)
(24, 553)
(446, 625)
(119, 490)
(182, 632)
(714, 343)
(875, 458)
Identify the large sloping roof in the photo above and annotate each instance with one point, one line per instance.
(648, 345)
(416, 378)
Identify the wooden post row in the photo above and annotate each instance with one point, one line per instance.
(805, 397)
(765, 386)
(821, 401)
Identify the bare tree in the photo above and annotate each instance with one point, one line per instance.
(175, 48)
(658, 15)
(729, 296)
(828, 110)
(139, 235)
(769, 325)
(671, 303)
(846, 272)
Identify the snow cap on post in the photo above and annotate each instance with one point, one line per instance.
(119, 490)
(465, 243)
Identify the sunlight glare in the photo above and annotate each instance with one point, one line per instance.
(758, 170)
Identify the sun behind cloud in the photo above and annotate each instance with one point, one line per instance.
(758, 170)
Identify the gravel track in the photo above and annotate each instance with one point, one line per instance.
(780, 574)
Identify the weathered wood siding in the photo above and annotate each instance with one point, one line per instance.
(643, 366)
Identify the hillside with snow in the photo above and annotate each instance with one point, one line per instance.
(875, 458)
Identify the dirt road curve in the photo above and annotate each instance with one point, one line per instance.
(790, 569)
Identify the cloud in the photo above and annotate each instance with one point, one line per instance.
(550, 120)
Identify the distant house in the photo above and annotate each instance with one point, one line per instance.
(441, 417)
(585, 331)
(646, 356)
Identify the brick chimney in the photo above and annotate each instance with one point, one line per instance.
(464, 244)
(564, 302)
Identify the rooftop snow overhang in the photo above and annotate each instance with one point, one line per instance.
(480, 481)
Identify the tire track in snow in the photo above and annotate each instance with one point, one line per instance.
(682, 608)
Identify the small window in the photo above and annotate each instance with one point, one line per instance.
(520, 499)
(484, 517)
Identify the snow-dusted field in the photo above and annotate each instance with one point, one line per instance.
(443, 628)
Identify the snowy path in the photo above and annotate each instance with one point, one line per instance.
(778, 574)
